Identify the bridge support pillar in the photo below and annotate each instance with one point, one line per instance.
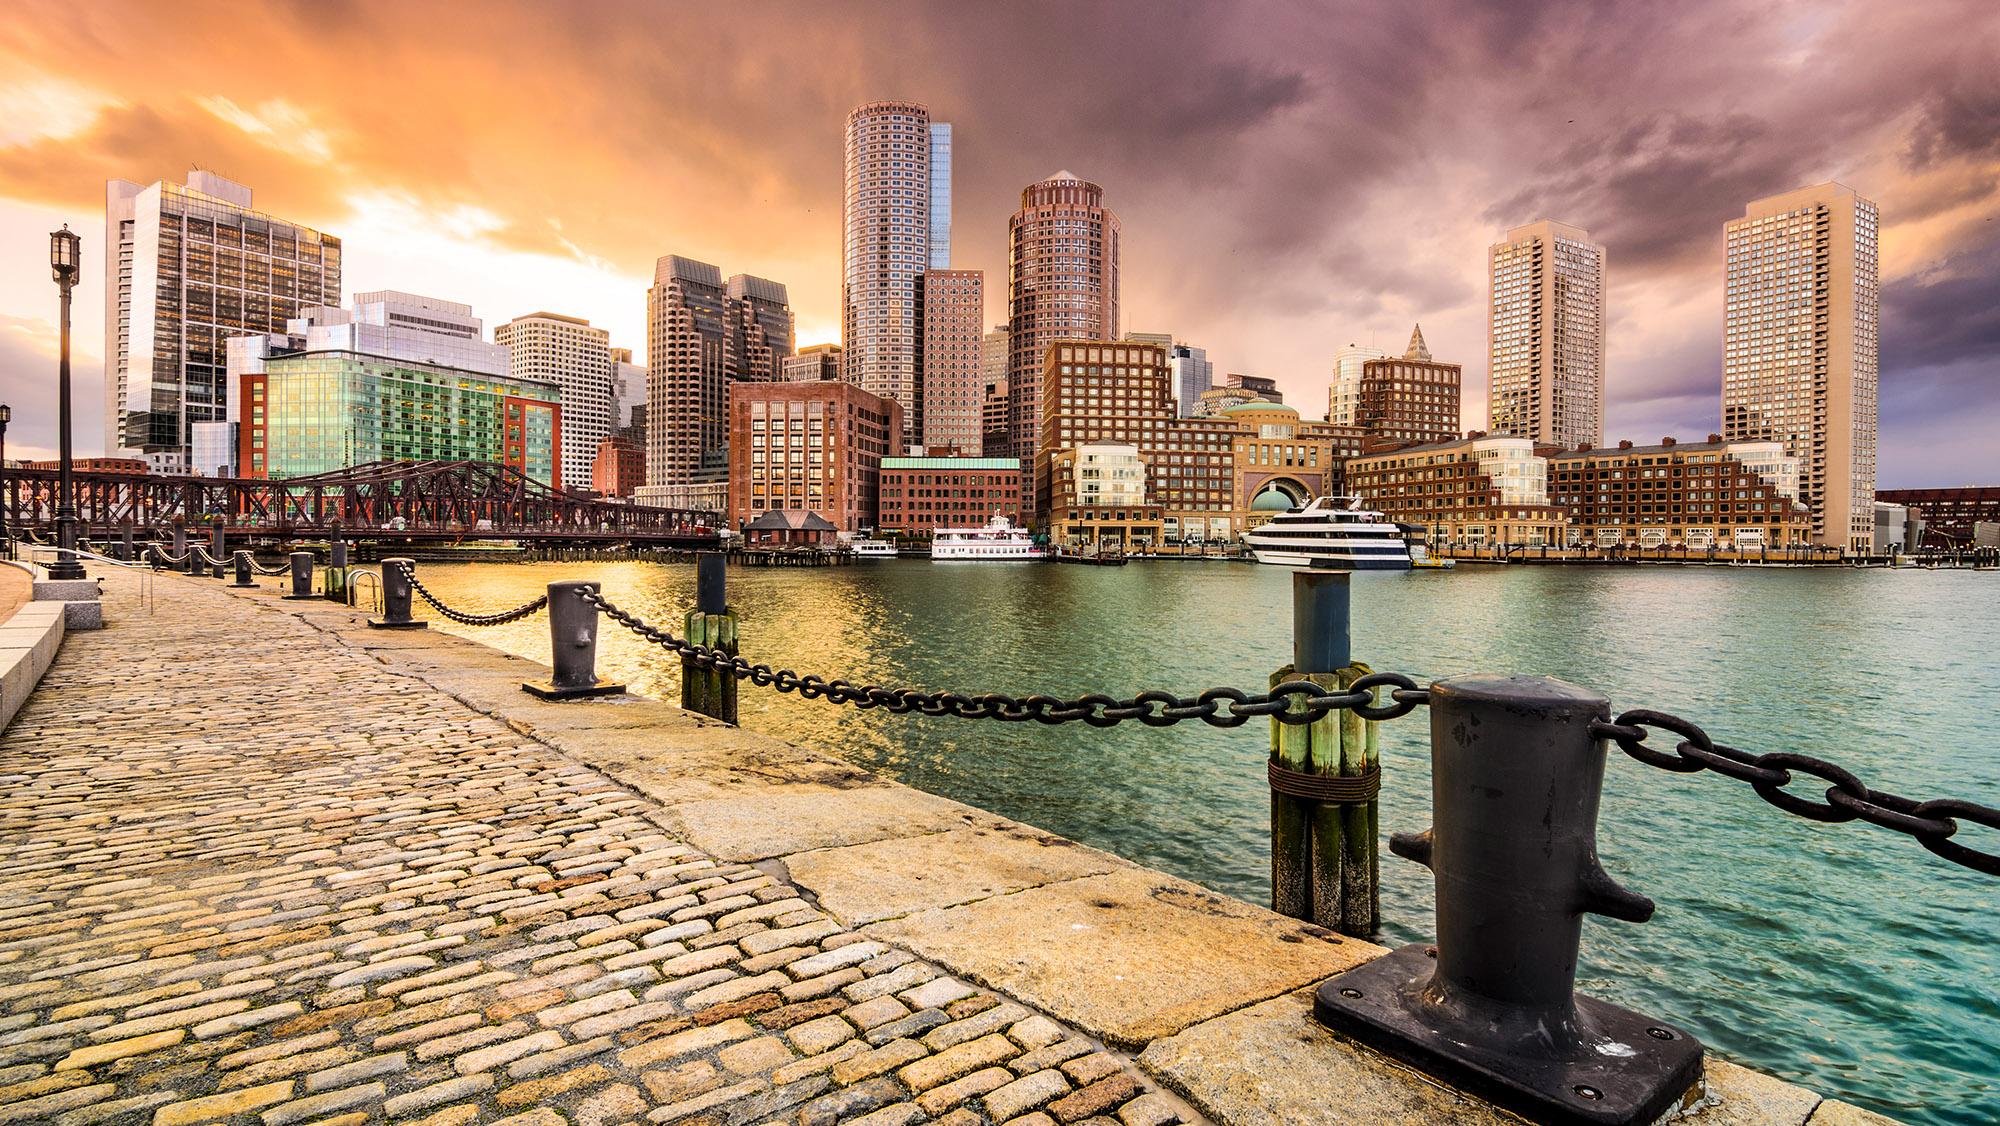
(711, 623)
(302, 576)
(396, 597)
(1492, 1008)
(243, 578)
(572, 647)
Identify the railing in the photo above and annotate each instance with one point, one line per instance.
(1517, 770)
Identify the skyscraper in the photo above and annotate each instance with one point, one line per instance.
(1343, 397)
(568, 352)
(1545, 338)
(701, 335)
(1192, 374)
(896, 223)
(186, 268)
(1062, 284)
(629, 382)
(954, 308)
(1801, 351)
(1412, 397)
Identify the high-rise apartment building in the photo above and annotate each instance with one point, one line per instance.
(185, 269)
(1801, 349)
(568, 352)
(702, 335)
(896, 223)
(951, 359)
(1343, 396)
(1062, 284)
(1410, 398)
(1545, 336)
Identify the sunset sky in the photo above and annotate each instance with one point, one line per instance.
(1290, 177)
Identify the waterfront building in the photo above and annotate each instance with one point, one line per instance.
(186, 268)
(1062, 284)
(1254, 385)
(810, 447)
(811, 364)
(1099, 498)
(1679, 494)
(1545, 335)
(1474, 492)
(566, 351)
(1191, 374)
(1412, 398)
(1110, 393)
(923, 493)
(1949, 514)
(702, 336)
(953, 303)
(619, 467)
(1898, 528)
(1801, 347)
(896, 223)
(1343, 395)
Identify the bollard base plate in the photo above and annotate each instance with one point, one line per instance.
(240, 585)
(378, 623)
(1635, 1077)
(546, 690)
(300, 597)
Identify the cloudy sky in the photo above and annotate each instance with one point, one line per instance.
(1291, 177)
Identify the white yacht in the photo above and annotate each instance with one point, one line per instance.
(1334, 529)
(873, 549)
(998, 540)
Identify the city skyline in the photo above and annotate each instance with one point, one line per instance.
(1237, 235)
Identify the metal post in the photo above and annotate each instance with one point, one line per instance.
(66, 565)
(1492, 1008)
(125, 533)
(572, 647)
(302, 575)
(1320, 620)
(396, 597)
(337, 588)
(711, 623)
(243, 570)
(217, 550)
(181, 547)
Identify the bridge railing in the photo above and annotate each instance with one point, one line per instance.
(1517, 768)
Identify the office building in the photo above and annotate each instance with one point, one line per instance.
(951, 359)
(1255, 385)
(566, 351)
(1949, 515)
(993, 433)
(1545, 336)
(703, 335)
(1062, 284)
(810, 448)
(1801, 347)
(1191, 374)
(628, 380)
(921, 494)
(1343, 395)
(619, 467)
(1216, 400)
(1729, 496)
(1411, 398)
(896, 223)
(1467, 494)
(811, 364)
(185, 269)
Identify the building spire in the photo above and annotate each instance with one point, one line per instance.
(1417, 350)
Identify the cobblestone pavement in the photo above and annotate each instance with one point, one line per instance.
(248, 874)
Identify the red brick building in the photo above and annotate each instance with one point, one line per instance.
(809, 447)
(619, 467)
(922, 493)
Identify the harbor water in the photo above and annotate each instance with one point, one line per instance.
(1842, 957)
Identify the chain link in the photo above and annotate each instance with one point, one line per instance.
(1847, 798)
(463, 618)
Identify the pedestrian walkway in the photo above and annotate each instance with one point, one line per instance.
(248, 873)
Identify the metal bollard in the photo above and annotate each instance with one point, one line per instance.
(572, 647)
(712, 692)
(1492, 1008)
(217, 553)
(337, 589)
(181, 548)
(396, 598)
(125, 536)
(302, 575)
(243, 578)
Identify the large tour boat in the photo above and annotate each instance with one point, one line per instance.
(1331, 532)
(998, 540)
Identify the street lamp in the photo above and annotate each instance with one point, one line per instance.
(65, 256)
(6, 541)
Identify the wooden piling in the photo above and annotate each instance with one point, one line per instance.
(1324, 858)
(712, 692)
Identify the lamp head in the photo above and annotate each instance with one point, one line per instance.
(65, 255)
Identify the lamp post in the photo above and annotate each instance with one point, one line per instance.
(65, 252)
(6, 540)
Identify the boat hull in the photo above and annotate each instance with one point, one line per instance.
(1280, 557)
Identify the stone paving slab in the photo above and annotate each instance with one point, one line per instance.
(880, 880)
(250, 873)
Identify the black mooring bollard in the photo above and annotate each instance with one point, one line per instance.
(218, 555)
(572, 647)
(337, 589)
(302, 575)
(243, 570)
(1515, 778)
(396, 597)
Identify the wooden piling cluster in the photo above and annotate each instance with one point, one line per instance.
(712, 692)
(1324, 862)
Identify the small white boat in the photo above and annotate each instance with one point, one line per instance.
(873, 549)
(1422, 559)
(999, 540)
(1331, 532)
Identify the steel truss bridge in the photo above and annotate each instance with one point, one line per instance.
(382, 501)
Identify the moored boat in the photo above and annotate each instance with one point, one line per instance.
(1331, 532)
(998, 541)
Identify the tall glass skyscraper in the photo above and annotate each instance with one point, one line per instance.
(940, 258)
(1545, 339)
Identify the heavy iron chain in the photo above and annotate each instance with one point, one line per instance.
(1932, 822)
(1217, 707)
(465, 619)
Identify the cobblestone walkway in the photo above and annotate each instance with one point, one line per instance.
(247, 874)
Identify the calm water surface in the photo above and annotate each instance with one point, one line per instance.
(1843, 957)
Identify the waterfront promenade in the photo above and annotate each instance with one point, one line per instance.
(261, 863)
